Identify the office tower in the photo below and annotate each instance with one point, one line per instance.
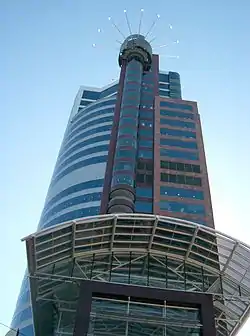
(126, 242)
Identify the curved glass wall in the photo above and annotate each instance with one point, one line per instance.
(77, 183)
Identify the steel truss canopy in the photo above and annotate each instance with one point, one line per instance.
(141, 250)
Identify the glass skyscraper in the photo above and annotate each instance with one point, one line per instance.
(126, 241)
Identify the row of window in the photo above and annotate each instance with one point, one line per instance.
(82, 154)
(177, 123)
(127, 142)
(125, 153)
(78, 165)
(146, 178)
(146, 123)
(73, 201)
(93, 95)
(85, 212)
(86, 117)
(94, 106)
(98, 183)
(87, 142)
(176, 106)
(91, 123)
(111, 90)
(163, 93)
(146, 132)
(178, 143)
(181, 179)
(177, 114)
(181, 192)
(145, 165)
(178, 133)
(194, 209)
(179, 154)
(179, 166)
(96, 130)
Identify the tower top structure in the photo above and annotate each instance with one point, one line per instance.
(136, 47)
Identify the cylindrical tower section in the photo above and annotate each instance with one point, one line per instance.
(137, 53)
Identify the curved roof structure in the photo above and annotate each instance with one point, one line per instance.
(130, 248)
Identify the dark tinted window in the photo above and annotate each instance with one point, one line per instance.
(143, 207)
(178, 133)
(181, 179)
(109, 91)
(187, 167)
(146, 154)
(144, 192)
(177, 123)
(176, 106)
(179, 154)
(181, 192)
(90, 116)
(91, 123)
(178, 143)
(177, 114)
(195, 209)
(91, 95)
(163, 93)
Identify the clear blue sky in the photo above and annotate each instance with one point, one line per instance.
(46, 54)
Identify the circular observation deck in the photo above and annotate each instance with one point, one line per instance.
(136, 47)
(140, 250)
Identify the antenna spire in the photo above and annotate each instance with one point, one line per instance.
(153, 24)
(142, 10)
(117, 28)
(128, 23)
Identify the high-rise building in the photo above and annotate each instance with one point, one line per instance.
(126, 243)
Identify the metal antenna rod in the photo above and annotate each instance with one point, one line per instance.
(142, 10)
(113, 24)
(128, 23)
(153, 24)
(152, 40)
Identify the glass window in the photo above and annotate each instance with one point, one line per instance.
(84, 103)
(140, 177)
(81, 154)
(179, 154)
(144, 192)
(91, 123)
(177, 123)
(181, 179)
(187, 167)
(27, 331)
(163, 93)
(143, 207)
(127, 130)
(109, 91)
(75, 188)
(128, 142)
(177, 114)
(71, 202)
(145, 154)
(126, 153)
(176, 106)
(146, 114)
(93, 95)
(146, 132)
(163, 77)
(146, 123)
(174, 75)
(123, 179)
(127, 121)
(133, 112)
(78, 165)
(89, 116)
(83, 144)
(93, 106)
(195, 209)
(145, 143)
(123, 165)
(178, 133)
(178, 143)
(83, 135)
(182, 193)
(85, 212)
(164, 86)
